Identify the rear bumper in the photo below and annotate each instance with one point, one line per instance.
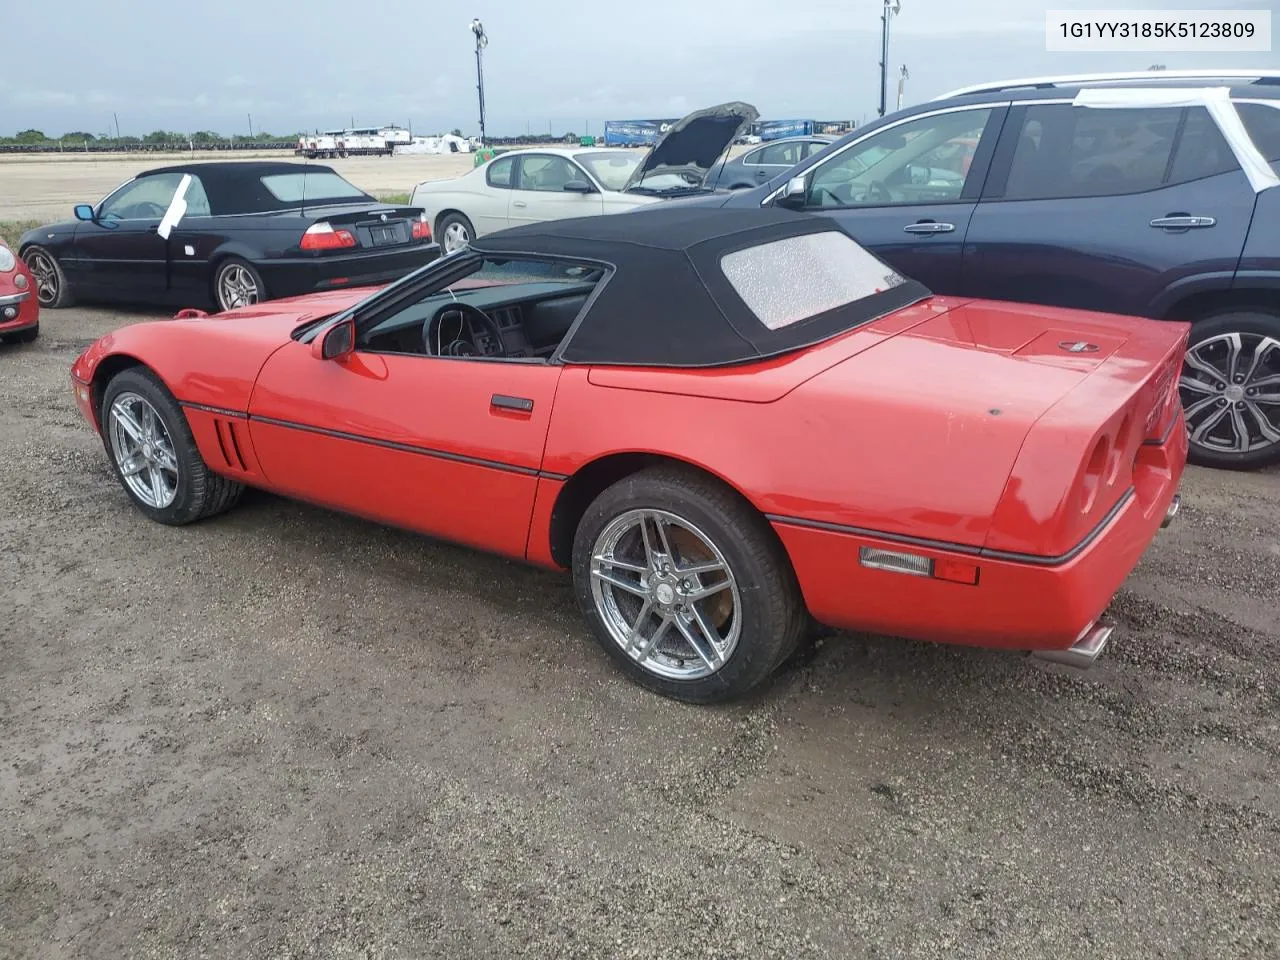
(1034, 603)
(299, 275)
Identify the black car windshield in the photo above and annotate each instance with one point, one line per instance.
(313, 187)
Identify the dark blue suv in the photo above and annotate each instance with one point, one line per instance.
(1017, 191)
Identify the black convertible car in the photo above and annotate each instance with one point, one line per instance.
(234, 233)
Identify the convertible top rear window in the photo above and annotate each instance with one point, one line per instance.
(309, 187)
(788, 280)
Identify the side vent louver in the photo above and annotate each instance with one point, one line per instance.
(229, 444)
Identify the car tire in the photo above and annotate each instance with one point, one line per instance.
(462, 229)
(765, 619)
(1215, 415)
(45, 270)
(236, 277)
(197, 492)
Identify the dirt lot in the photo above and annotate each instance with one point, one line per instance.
(287, 734)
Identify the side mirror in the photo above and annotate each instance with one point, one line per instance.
(84, 212)
(579, 186)
(793, 193)
(337, 342)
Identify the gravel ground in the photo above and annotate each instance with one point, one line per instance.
(285, 733)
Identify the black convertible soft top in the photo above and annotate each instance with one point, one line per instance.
(236, 187)
(669, 301)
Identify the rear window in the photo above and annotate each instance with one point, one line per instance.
(789, 280)
(322, 185)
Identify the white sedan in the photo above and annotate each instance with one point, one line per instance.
(529, 186)
(536, 184)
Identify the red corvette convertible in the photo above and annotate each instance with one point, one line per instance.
(726, 424)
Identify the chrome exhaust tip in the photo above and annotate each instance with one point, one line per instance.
(1174, 505)
(1083, 652)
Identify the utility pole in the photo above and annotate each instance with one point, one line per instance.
(117, 120)
(251, 126)
(891, 8)
(482, 41)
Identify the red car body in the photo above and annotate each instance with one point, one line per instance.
(19, 308)
(1030, 453)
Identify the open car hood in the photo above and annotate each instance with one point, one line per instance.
(693, 144)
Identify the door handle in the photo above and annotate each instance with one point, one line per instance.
(500, 401)
(1182, 221)
(154, 229)
(928, 226)
(518, 203)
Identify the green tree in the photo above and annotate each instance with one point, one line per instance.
(31, 136)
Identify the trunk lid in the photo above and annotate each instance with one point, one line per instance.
(374, 228)
(1022, 426)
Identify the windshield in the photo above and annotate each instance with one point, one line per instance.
(612, 170)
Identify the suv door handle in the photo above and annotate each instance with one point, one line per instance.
(518, 203)
(928, 226)
(1182, 222)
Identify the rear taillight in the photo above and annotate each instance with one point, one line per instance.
(421, 228)
(322, 236)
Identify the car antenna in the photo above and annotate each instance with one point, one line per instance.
(306, 162)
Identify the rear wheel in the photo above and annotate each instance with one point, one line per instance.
(237, 284)
(154, 455)
(685, 586)
(52, 290)
(454, 232)
(1230, 390)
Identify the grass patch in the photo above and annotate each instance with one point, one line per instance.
(11, 230)
(400, 199)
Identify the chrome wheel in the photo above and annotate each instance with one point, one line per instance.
(236, 287)
(455, 237)
(45, 274)
(1230, 389)
(143, 450)
(666, 594)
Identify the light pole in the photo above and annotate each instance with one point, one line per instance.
(891, 8)
(482, 41)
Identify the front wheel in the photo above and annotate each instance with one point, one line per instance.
(154, 455)
(685, 586)
(1230, 390)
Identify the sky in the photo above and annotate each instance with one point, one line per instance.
(290, 65)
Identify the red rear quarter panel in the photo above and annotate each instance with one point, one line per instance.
(965, 433)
